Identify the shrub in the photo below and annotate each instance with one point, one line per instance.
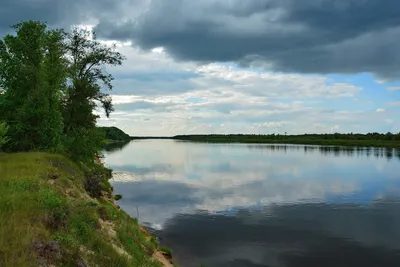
(3, 133)
(96, 181)
(154, 241)
(93, 185)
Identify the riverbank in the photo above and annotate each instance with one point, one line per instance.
(54, 213)
(324, 140)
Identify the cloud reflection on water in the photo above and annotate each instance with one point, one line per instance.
(252, 205)
(179, 176)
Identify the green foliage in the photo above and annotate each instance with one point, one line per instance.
(51, 83)
(154, 242)
(166, 250)
(82, 225)
(56, 207)
(3, 134)
(97, 181)
(82, 144)
(115, 134)
(134, 241)
(107, 211)
(87, 77)
(31, 73)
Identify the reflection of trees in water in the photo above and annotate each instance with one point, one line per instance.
(115, 146)
(377, 152)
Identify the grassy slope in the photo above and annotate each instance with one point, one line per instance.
(35, 207)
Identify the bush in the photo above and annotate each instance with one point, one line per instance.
(93, 185)
(82, 144)
(96, 181)
(3, 133)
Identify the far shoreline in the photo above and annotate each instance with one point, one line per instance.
(358, 140)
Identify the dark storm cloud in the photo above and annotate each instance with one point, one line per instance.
(56, 13)
(53, 12)
(319, 36)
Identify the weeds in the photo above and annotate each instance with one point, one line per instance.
(166, 251)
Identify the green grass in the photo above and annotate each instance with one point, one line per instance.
(166, 250)
(36, 208)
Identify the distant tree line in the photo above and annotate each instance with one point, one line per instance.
(115, 134)
(51, 82)
(350, 139)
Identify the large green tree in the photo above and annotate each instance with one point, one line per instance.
(51, 83)
(88, 81)
(32, 73)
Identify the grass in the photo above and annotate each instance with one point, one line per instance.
(166, 250)
(36, 208)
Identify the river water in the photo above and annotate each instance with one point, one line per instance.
(264, 205)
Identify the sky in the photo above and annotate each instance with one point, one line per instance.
(241, 66)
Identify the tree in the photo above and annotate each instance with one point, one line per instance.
(51, 82)
(87, 77)
(32, 72)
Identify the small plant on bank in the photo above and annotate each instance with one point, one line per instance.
(97, 181)
(166, 251)
(154, 241)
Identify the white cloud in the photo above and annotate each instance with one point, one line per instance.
(380, 110)
(279, 84)
(158, 50)
(156, 95)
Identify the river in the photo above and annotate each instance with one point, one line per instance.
(250, 205)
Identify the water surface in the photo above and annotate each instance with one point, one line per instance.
(264, 205)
